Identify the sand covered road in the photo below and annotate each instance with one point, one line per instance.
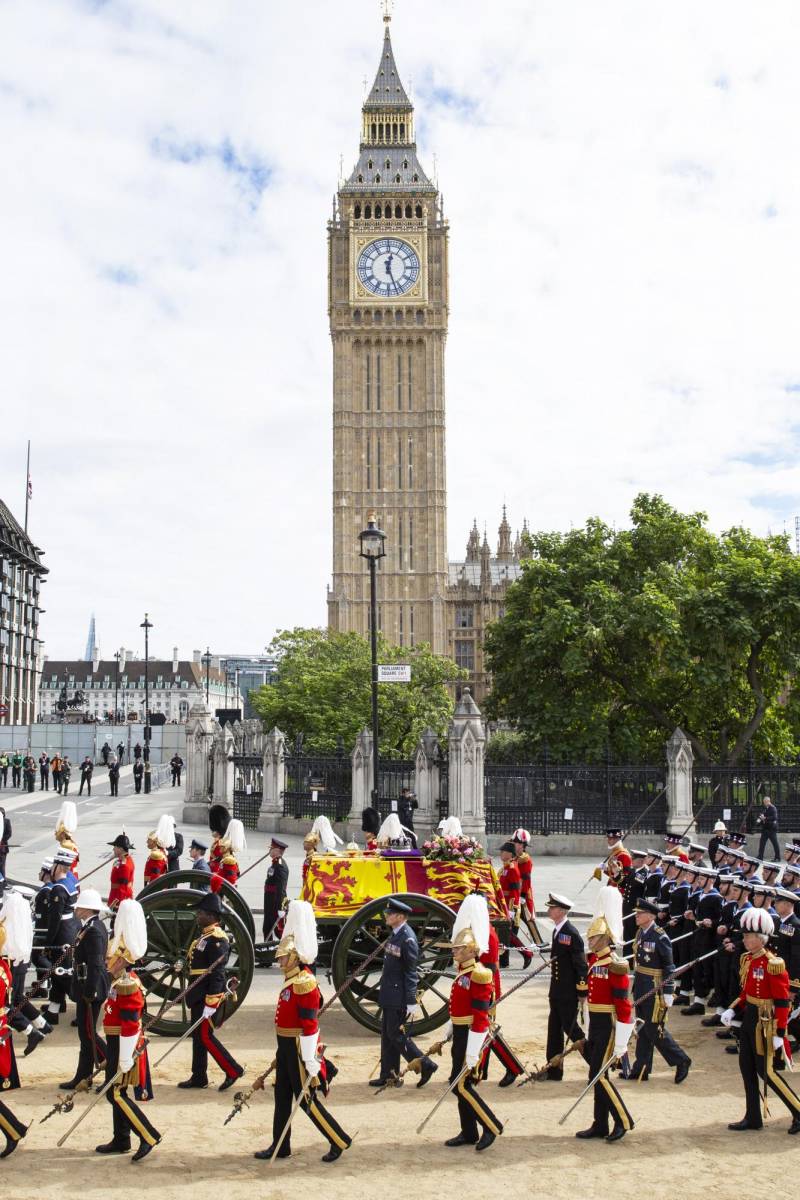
(680, 1143)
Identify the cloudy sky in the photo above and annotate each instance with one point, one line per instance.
(623, 187)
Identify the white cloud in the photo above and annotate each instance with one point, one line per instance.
(622, 185)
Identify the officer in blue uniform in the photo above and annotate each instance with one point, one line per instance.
(398, 997)
(62, 929)
(654, 968)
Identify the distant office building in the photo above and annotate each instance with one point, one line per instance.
(173, 687)
(90, 642)
(250, 671)
(21, 576)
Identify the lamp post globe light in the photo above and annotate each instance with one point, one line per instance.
(146, 625)
(373, 548)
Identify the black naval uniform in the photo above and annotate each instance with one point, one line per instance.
(62, 929)
(567, 983)
(39, 957)
(632, 889)
(653, 882)
(723, 961)
(274, 893)
(398, 992)
(708, 908)
(676, 925)
(653, 967)
(89, 991)
(789, 951)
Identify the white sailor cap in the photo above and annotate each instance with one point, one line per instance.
(556, 900)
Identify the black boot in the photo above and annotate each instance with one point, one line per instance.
(711, 1022)
(594, 1131)
(332, 1155)
(616, 1134)
(740, 1126)
(12, 1143)
(695, 1009)
(682, 1070)
(485, 1140)
(795, 1125)
(144, 1150)
(284, 1152)
(35, 1038)
(507, 1079)
(427, 1069)
(191, 1082)
(461, 1139)
(113, 1147)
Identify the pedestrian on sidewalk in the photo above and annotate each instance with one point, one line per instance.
(66, 771)
(105, 750)
(29, 772)
(5, 838)
(4, 761)
(137, 750)
(56, 762)
(138, 772)
(121, 752)
(113, 775)
(176, 763)
(44, 772)
(768, 823)
(87, 767)
(16, 769)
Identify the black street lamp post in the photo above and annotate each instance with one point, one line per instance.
(146, 625)
(207, 665)
(373, 548)
(116, 691)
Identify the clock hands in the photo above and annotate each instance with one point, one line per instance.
(388, 265)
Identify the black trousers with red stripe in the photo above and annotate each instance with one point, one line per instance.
(205, 1042)
(500, 1048)
(93, 1050)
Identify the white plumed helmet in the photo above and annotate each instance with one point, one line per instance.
(327, 836)
(129, 939)
(391, 830)
(67, 818)
(473, 914)
(607, 915)
(165, 831)
(757, 920)
(18, 924)
(299, 932)
(235, 835)
(450, 827)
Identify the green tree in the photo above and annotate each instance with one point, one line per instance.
(323, 690)
(617, 636)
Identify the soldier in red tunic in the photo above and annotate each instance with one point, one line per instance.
(219, 818)
(763, 1005)
(122, 1026)
(13, 1128)
(610, 1017)
(471, 1000)
(224, 851)
(521, 840)
(490, 957)
(618, 861)
(298, 1037)
(156, 862)
(122, 872)
(511, 887)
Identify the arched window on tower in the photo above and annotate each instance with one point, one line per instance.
(374, 131)
(418, 211)
(368, 212)
(402, 131)
(380, 132)
(398, 212)
(357, 212)
(394, 130)
(378, 212)
(408, 212)
(378, 179)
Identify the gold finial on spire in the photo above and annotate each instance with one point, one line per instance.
(387, 6)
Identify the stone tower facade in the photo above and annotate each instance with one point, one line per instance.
(388, 308)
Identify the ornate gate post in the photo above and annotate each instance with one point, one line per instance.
(362, 780)
(223, 766)
(426, 784)
(274, 781)
(199, 735)
(466, 742)
(680, 758)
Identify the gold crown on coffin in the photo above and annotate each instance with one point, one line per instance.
(311, 838)
(600, 928)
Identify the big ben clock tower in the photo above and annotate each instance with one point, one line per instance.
(387, 303)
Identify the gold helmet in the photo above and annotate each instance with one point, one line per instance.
(129, 939)
(608, 915)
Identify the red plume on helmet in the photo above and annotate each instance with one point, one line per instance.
(216, 883)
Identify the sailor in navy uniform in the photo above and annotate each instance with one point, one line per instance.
(632, 888)
(62, 929)
(398, 997)
(567, 980)
(655, 875)
(654, 968)
(789, 951)
(274, 886)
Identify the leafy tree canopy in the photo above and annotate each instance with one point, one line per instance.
(323, 690)
(614, 637)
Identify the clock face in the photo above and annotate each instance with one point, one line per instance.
(388, 267)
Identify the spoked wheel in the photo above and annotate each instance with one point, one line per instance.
(366, 929)
(233, 898)
(171, 928)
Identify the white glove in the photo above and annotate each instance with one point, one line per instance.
(127, 1045)
(777, 1042)
(412, 1011)
(728, 1017)
(208, 1012)
(794, 1014)
(447, 1032)
(308, 1052)
(669, 1001)
(622, 1036)
(474, 1046)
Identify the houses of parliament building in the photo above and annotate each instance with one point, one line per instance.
(388, 310)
